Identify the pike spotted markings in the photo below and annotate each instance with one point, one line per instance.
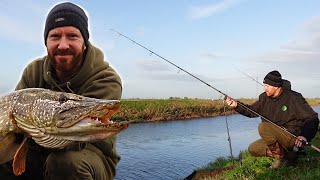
(53, 120)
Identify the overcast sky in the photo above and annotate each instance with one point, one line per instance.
(212, 39)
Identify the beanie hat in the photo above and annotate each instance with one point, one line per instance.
(67, 14)
(273, 78)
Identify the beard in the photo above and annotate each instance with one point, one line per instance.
(69, 64)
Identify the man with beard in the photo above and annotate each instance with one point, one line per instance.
(72, 65)
(284, 108)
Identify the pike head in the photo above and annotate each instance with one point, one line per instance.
(58, 119)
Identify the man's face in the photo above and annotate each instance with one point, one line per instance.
(270, 90)
(65, 46)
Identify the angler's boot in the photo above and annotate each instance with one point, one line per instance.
(278, 163)
(292, 156)
(276, 151)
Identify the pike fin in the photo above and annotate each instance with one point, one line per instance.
(19, 160)
(8, 147)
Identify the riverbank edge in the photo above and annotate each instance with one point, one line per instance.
(159, 119)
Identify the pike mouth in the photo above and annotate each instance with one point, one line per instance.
(91, 120)
(101, 115)
(96, 125)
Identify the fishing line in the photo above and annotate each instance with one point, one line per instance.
(229, 138)
(248, 76)
(225, 95)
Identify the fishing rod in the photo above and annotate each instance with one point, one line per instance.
(225, 95)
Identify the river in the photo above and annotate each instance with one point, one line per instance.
(173, 149)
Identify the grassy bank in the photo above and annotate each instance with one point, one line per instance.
(168, 109)
(249, 167)
(175, 109)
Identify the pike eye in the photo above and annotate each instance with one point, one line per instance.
(63, 98)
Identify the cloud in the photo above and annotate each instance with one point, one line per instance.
(21, 7)
(312, 25)
(211, 56)
(204, 11)
(156, 70)
(140, 32)
(303, 49)
(179, 76)
(20, 21)
(310, 41)
(287, 56)
(12, 30)
(152, 65)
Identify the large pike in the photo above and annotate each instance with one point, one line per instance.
(53, 120)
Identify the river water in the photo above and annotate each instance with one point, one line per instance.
(174, 149)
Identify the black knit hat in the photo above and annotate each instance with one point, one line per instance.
(67, 14)
(273, 78)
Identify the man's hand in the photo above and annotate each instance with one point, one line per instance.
(300, 141)
(231, 102)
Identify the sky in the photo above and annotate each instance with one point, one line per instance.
(225, 43)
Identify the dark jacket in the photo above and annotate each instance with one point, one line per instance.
(289, 110)
(95, 79)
